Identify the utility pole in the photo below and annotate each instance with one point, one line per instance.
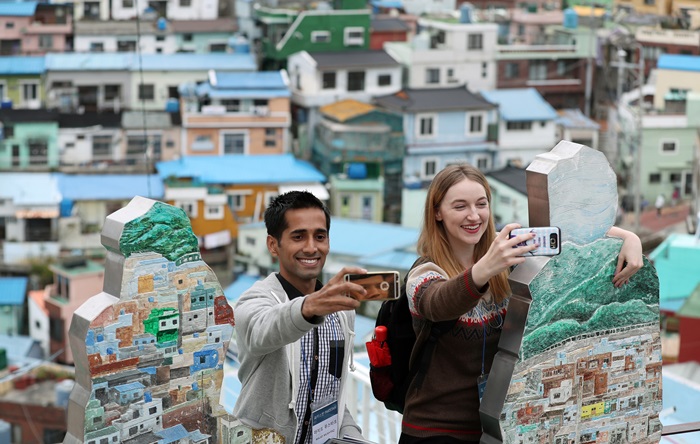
(635, 139)
(589, 65)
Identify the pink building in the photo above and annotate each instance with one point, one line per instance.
(30, 28)
(75, 281)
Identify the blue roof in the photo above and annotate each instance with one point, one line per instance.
(363, 238)
(22, 65)
(241, 284)
(18, 348)
(387, 3)
(88, 61)
(129, 386)
(246, 84)
(18, 9)
(13, 290)
(173, 434)
(574, 118)
(683, 395)
(196, 62)
(76, 187)
(679, 62)
(149, 62)
(30, 188)
(242, 169)
(393, 260)
(521, 104)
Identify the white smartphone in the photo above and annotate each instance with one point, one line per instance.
(548, 239)
(380, 285)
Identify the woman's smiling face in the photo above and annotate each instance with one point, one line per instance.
(464, 212)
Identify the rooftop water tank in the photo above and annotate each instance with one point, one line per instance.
(172, 105)
(357, 171)
(162, 24)
(6, 104)
(239, 44)
(570, 19)
(421, 41)
(466, 13)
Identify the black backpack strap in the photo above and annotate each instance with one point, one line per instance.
(437, 329)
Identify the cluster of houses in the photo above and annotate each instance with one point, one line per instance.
(216, 107)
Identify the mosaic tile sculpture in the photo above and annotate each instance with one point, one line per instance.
(149, 350)
(579, 360)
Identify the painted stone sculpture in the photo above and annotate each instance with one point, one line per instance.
(579, 360)
(149, 350)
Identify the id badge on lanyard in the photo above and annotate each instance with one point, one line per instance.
(481, 380)
(324, 420)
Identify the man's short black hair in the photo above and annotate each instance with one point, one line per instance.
(275, 220)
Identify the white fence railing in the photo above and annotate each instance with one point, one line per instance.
(378, 424)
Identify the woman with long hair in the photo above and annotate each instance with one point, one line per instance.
(464, 277)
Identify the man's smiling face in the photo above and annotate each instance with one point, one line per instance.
(302, 248)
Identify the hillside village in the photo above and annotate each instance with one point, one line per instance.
(218, 106)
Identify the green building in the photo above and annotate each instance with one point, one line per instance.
(29, 139)
(345, 27)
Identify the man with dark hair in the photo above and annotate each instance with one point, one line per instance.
(294, 334)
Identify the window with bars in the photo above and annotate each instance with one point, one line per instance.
(234, 143)
(101, 146)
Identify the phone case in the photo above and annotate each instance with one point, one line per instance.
(549, 239)
(380, 285)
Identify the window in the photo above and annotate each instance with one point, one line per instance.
(160, 38)
(482, 163)
(185, 3)
(146, 92)
(112, 92)
(101, 146)
(356, 81)
(475, 41)
(512, 70)
(270, 137)
(668, 146)
(451, 76)
(189, 207)
(519, 126)
(329, 80)
(217, 47)
(97, 47)
(45, 41)
(126, 46)
(432, 75)
(484, 70)
(384, 80)
(234, 143)
(127, 3)
(674, 178)
(650, 2)
(2, 93)
(538, 70)
(236, 202)
(320, 36)
(187, 37)
(232, 105)
(213, 211)
(38, 151)
(521, 29)
(429, 168)
(354, 36)
(9, 25)
(426, 125)
(476, 124)
(30, 91)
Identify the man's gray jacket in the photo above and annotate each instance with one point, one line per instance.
(268, 329)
